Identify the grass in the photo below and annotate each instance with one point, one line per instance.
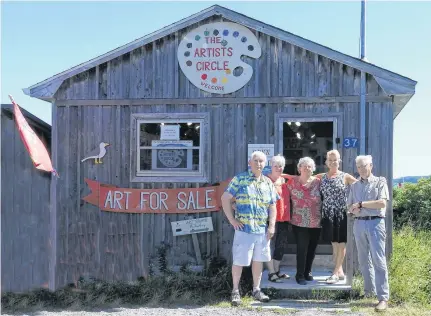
(410, 267)
(184, 288)
(409, 275)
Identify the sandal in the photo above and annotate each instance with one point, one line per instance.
(283, 276)
(273, 277)
(342, 277)
(332, 279)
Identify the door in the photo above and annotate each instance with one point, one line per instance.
(307, 137)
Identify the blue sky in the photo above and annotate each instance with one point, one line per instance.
(40, 39)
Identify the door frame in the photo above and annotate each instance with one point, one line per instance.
(336, 119)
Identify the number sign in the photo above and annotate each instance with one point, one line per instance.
(350, 142)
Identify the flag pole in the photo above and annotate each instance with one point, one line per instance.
(362, 149)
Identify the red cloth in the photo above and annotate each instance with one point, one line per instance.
(38, 153)
(283, 205)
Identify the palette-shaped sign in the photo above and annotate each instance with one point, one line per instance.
(210, 56)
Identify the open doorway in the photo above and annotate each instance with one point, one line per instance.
(306, 139)
(302, 137)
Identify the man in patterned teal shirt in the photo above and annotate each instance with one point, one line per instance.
(255, 198)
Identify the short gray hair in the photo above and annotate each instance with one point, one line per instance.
(365, 159)
(258, 154)
(307, 161)
(278, 160)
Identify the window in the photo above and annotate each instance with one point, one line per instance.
(170, 147)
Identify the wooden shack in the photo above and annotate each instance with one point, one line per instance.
(25, 193)
(179, 109)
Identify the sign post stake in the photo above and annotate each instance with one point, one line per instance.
(193, 226)
(197, 249)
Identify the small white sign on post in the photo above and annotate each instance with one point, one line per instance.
(169, 132)
(192, 226)
(267, 149)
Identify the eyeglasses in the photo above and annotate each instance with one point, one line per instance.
(361, 166)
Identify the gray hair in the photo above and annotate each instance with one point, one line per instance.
(307, 161)
(278, 160)
(368, 159)
(259, 154)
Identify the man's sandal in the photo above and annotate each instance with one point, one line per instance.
(273, 277)
(283, 275)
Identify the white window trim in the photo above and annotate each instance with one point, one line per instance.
(202, 175)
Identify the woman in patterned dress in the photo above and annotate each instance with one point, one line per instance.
(333, 187)
(306, 209)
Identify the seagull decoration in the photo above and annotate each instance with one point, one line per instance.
(97, 154)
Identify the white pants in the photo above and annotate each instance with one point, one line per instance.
(247, 247)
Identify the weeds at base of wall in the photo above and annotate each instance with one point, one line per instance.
(185, 287)
(409, 275)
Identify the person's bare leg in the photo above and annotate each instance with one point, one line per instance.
(335, 257)
(271, 266)
(236, 276)
(256, 270)
(276, 265)
(340, 259)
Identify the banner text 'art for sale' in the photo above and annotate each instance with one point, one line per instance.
(193, 200)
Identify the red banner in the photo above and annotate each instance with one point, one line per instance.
(197, 200)
(38, 153)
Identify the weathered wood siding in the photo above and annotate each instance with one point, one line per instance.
(116, 246)
(152, 71)
(24, 213)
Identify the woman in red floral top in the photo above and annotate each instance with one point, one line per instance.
(306, 207)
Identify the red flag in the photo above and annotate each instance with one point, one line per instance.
(38, 153)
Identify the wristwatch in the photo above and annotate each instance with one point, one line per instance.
(360, 204)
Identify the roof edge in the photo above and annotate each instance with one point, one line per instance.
(53, 83)
(126, 48)
(35, 120)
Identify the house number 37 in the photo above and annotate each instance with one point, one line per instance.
(350, 142)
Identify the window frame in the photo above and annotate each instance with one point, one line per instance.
(200, 176)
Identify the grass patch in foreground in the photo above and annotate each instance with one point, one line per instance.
(410, 267)
(367, 306)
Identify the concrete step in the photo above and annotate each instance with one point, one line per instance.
(309, 305)
(289, 287)
(323, 262)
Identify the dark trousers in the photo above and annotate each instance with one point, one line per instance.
(281, 244)
(306, 243)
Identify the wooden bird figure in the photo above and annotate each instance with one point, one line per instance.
(97, 154)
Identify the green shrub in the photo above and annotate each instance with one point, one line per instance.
(412, 205)
(410, 267)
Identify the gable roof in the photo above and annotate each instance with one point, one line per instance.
(392, 83)
(31, 119)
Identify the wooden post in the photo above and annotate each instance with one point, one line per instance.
(193, 226)
(197, 249)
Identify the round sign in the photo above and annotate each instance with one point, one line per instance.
(210, 56)
(171, 158)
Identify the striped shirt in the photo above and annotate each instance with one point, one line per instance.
(253, 197)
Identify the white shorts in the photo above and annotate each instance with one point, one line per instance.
(247, 247)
